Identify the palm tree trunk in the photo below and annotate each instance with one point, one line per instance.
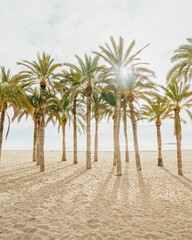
(178, 138)
(125, 133)
(42, 129)
(75, 131)
(2, 119)
(134, 127)
(38, 143)
(158, 125)
(117, 127)
(96, 140)
(64, 146)
(114, 142)
(88, 152)
(34, 140)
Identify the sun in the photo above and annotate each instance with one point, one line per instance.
(124, 72)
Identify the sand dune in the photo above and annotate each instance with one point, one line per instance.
(69, 202)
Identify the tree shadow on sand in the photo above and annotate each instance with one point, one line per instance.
(17, 171)
(32, 166)
(28, 177)
(61, 185)
(101, 191)
(182, 179)
(125, 184)
(144, 193)
(114, 192)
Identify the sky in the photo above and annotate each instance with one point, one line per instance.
(64, 28)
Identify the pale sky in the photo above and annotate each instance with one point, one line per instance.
(63, 28)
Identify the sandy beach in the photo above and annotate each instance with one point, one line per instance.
(69, 202)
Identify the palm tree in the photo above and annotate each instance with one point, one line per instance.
(73, 89)
(119, 62)
(110, 103)
(125, 114)
(36, 102)
(98, 109)
(34, 98)
(87, 71)
(109, 98)
(42, 72)
(61, 110)
(136, 87)
(11, 95)
(179, 98)
(183, 59)
(156, 110)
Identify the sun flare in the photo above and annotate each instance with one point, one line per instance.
(124, 72)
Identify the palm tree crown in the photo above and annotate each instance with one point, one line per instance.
(183, 59)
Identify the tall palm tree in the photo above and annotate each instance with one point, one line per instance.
(62, 112)
(72, 81)
(12, 95)
(34, 97)
(125, 114)
(156, 110)
(110, 103)
(36, 102)
(183, 59)
(88, 71)
(119, 61)
(136, 87)
(98, 109)
(179, 98)
(41, 72)
(109, 100)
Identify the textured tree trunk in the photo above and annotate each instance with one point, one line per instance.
(134, 127)
(117, 127)
(125, 133)
(34, 140)
(114, 156)
(64, 146)
(2, 119)
(75, 131)
(96, 140)
(160, 161)
(114, 142)
(88, 152)
(38, 143)
(42, 129)
(178, 138)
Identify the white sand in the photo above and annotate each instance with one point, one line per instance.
(68, 202)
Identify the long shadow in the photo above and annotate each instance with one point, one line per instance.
(57, 186)
(187, 179)
(125, 174)
(101, 190)
(58, 169)
(145, 192)
(28, 176)
(44, 192)
(115, 189)
(180, 179)
(125, 184)
(18, 171)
